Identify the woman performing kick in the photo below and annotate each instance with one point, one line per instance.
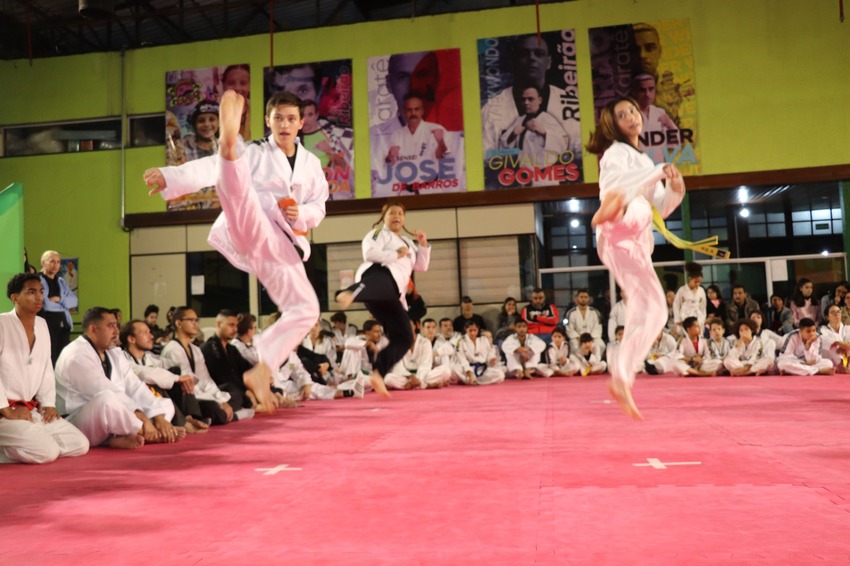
(630, 186)
(390, 258)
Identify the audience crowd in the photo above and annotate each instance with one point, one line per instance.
(124, 385)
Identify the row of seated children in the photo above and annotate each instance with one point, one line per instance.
(441, 356)
(752, 350)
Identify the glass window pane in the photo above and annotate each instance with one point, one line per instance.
(776, 230)
(822, 214)
(758, 231)
(802, 228)
(801, 215)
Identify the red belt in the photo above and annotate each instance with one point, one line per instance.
(30, 405)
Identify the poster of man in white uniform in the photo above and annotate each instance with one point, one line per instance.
(531, 127)
(416, 123)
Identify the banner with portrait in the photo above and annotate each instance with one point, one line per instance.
(653, 63)
(325, 89)
(531, 128)
(416, 123)
(192, 97)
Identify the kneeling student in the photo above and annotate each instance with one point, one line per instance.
(560, 360)
(800, 354)
(479, 358)
(588, 358)
(749, 356)
(522, 353)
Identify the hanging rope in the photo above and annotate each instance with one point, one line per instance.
(537, 9)
(29, 33)
(271, 33)
(841, 10)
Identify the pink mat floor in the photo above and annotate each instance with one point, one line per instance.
(722, 471)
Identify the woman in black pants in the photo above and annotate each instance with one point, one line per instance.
(389, 259)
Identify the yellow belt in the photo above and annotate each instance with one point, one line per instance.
(707, 246)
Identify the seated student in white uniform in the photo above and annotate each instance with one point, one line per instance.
(415, 370)
(587, 357)
(342, 331)
(613, 349)
(801, 352)
(690, 299)
(31, 430)
(102, 396)
(137, 343)
(445, 355)
(749, 355)
(771, 339)
(292, 383)
(558, 355)
(523, 353)
(717, 348)
(321, 342)
(835, 339)
(217, 407)
(661, 354)
(246, 330)
(617, 319)
(448, 334)
(361, 350)
(584, 318)
(691, 351)
(479, 358)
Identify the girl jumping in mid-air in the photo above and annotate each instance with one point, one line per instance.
(630, 186)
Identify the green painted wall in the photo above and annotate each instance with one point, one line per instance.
(772, 85)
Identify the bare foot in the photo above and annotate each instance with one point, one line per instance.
(230, 121)
(289, 403)
(611, 208)
(194, 426)
(258, 380)
(826, 371)
(344, 299)
(128, 442)
(623, 396)
(378, 384)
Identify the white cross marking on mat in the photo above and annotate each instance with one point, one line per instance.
(604, 402)
(275, 470)
(659, 465)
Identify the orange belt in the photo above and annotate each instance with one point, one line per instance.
(283, 203)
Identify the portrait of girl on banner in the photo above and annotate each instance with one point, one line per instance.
(191, 120)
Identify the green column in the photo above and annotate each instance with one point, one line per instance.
(844, 190)
(11, 237)
(686, 225)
